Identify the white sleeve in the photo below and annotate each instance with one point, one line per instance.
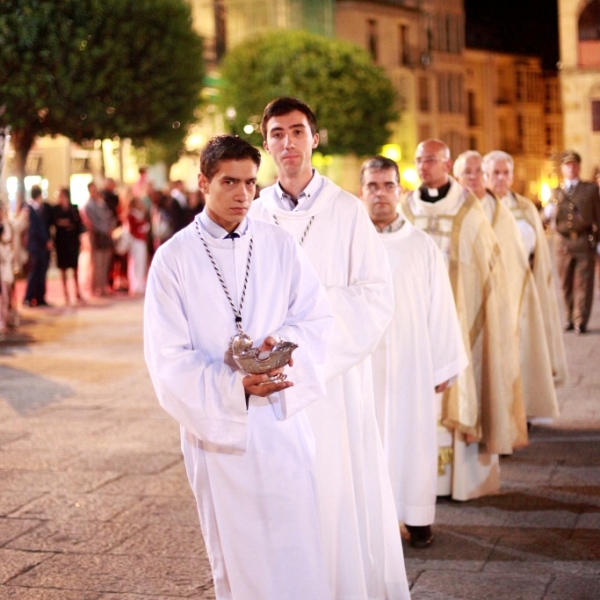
(449, 357)
(206, 397)
(364, 307)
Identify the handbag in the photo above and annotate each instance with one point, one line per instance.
(121, 240)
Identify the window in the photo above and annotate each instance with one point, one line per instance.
(424, 94)
(372, 39)
(595, 115)
(472, 116)
(403, 45)
(220, 29)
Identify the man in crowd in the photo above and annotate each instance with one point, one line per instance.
(421, 352)
(539, 394)
(246, 440)
(360, 530)
(574, 211)
(179, 206)
(39, 245)
(100, 222)
(499, 167)
(482, 416)
(117, 269)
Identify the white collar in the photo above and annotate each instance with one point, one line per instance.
(306, 197)
(215, 230)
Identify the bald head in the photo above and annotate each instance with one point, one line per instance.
(433, 163)
(433, 146)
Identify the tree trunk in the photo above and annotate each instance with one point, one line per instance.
(22, 140)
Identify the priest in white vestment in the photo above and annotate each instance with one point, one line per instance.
(483, 415)
(420, 354)
(360, 530)
(498, 167)
(539, 394)
(247, 443)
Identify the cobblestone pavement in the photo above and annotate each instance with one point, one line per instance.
(95, 505)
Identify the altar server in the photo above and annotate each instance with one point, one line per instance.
(421, 352)
(360, 531)
(247, 442)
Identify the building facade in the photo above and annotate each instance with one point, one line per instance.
(579, 27)
(470, 99)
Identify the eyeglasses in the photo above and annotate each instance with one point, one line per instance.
(428, 160)
(373, 188)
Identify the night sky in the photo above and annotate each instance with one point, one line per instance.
(520, 26)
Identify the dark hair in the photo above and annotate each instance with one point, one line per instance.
(36, 191)
(66, 191)
(225, 147)
(284, 106)
(379, 163)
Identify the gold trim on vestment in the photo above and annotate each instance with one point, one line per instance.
(445, 458)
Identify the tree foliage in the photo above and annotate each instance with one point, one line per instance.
(352, 98)
(98, 68)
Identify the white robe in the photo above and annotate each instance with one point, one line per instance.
(421, 348)
(360, 530)
(251, 470)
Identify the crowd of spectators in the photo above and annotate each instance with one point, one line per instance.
(107, 244)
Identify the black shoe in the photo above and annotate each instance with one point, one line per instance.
(420, 535)
(568, 326)
(579, 329)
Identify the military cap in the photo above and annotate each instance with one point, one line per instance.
(569, 156)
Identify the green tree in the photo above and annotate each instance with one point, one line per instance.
(91, 69)
(352, 98)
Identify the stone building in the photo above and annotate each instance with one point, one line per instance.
(579, 26)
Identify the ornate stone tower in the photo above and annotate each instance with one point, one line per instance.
(579, 26)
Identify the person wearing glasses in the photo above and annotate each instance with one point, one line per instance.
(482, 416)
(420, 354)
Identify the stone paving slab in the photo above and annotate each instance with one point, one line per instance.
(13, 562)
(131, 574)
(25, 593)
(445, 585)
(582, 588)
(78, 536)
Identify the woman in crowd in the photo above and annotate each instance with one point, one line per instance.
(139, 225)
(68, 227)
(7, 275)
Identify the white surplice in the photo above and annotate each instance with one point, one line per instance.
(421, 348)
(360, 530)
(251, 470)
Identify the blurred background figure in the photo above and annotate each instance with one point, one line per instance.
(20, 225)
(99, 222)
(196, 204)
(161, 218)
(179, 206)
(68, 226)
(117, 270)
(7, 275)
(39, 244)
(139, 225)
